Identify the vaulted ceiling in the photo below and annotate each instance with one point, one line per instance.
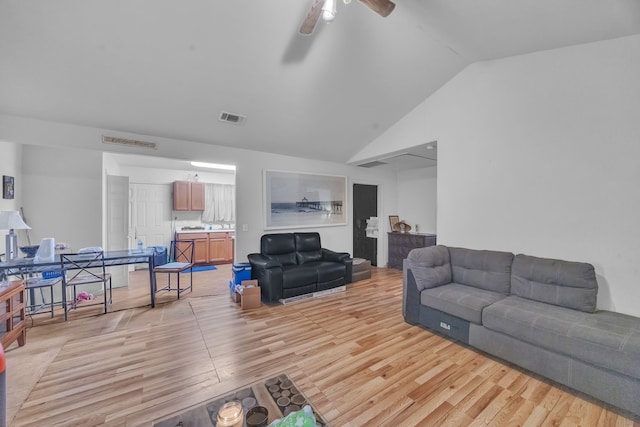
(169, 68)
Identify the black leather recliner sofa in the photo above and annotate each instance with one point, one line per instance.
(293, 264)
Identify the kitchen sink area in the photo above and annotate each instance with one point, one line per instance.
(218, 228)
(213, 244)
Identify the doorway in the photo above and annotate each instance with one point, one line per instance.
(365, 205)
(117, 223)
(150, 214)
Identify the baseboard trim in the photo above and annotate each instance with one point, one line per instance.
(313, 295)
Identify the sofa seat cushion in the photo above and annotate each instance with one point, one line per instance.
(327, 271)
(294, 276)
(604, 338)
(465, 302)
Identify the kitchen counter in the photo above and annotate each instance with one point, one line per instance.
(210, 246)
(218, 230)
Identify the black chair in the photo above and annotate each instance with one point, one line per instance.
(180, 260)
(81, 269)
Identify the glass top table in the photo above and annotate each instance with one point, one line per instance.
(26, 266)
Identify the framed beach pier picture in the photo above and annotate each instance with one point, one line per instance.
(296, 200)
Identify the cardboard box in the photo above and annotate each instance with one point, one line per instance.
(250, 295)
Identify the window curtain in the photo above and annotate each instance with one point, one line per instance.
(219, 203)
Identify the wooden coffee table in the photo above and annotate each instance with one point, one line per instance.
(278, 394)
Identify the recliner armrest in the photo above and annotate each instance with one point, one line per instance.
(268, 272)
(341, 257)
(261, 261)
(328, 255)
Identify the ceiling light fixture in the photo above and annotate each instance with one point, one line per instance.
(214, 166)
(329, 10)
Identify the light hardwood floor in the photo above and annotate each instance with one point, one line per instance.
(351, 354)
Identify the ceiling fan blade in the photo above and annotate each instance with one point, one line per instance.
(381, 7)
(312, 17)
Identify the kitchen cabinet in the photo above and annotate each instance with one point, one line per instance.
(400, 244)
(221, 247)
(197, 196)
(200, 246)
(188, 196)
(211, 247)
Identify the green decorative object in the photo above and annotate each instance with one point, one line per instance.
(302, 418)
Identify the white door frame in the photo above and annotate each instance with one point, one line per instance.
(118, 224)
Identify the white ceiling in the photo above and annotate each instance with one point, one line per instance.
(168, 68)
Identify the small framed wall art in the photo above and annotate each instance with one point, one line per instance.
(393, 222)
(8, 187)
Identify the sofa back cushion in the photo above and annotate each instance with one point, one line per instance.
(308, 247)
(564, 283)
(280, 247)
(430, 266)
(488, 270)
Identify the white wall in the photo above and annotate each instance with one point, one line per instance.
(139, 175)
(417, 198)
(250, 164)
(63, 195)
(11, 165)
(539, 154)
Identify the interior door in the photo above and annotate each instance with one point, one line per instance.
(118, 224)
(365, 205)
(151, 214)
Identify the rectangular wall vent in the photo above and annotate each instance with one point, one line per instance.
(372, 164)
(128, 142)
(236, 119)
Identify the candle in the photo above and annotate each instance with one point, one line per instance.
(230, 415)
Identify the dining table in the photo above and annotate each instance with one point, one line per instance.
(26, 267)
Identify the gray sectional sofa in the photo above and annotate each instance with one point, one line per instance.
(534, 312)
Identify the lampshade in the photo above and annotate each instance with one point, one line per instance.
(329, 10)
(11, 220)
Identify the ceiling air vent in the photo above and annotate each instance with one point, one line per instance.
(372, 164)
(236, 119)
(128, 142)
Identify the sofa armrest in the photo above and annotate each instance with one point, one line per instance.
(348, 277)
(329, 255)
(261, 262)
(341, 257)
(268, 273)
(410, 296)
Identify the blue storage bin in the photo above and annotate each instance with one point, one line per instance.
(241, 271)
(159, 255)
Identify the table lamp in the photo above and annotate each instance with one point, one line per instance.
(11, 220)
